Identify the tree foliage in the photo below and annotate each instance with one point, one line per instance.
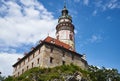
(2, 78)
(103, 74)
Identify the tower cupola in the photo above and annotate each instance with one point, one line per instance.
(64, 11)
(65, 28)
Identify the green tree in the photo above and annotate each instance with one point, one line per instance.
(2, 78)
(103, 74)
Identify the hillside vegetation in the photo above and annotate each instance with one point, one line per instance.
(67, 73)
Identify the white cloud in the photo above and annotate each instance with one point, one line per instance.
(109, 18)
(24, 24)
(86, 2)
(94, 12)
(6, 62)
(95, 38)
(105, 5)
(21, 25)
(77, 0)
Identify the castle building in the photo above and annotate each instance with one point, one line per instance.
(52, 52)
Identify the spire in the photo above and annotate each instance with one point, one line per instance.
(64, 3)
(64, 10)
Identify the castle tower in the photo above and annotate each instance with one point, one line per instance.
(65, 29)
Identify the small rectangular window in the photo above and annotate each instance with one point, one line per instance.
(22, 70)
(32, 64)
(27, 67)
(38, 61)
(51, 59)
(63, 62)
(72, 57)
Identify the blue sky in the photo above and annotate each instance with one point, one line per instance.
(24, 22)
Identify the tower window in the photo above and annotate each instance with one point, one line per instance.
(51, 59)
(63, 62)
(71, 38)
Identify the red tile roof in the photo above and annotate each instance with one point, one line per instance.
(58, 43)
